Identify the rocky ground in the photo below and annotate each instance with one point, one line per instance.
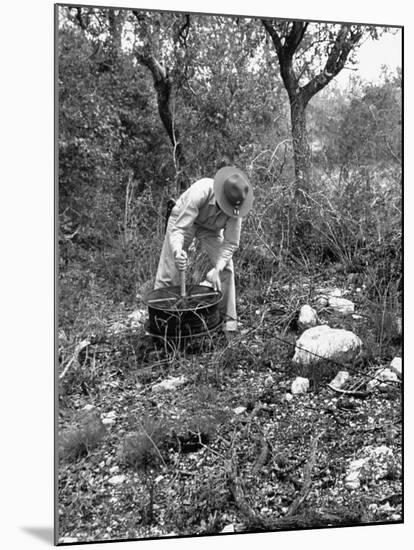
(214, 438)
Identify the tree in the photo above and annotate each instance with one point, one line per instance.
(148, 53)
(317, 52)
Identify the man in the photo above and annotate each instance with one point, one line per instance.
(212, 211)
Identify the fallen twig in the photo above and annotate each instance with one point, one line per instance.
(237, 492)
(307, 477)
(351, 393)
(263, 456)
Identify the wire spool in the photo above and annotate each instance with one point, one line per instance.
(174, 316)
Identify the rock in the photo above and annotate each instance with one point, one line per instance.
(352, 480)
(327, 343)
(269, 381)
(228, 529)
(239, 410)
(300, 385)
(339, 379)
(117, 480)
(170, 384)
(114, 469)
(109, 418)
(67, 540)
(330, 291)
(307, 317)
(374, 464)
(396, 366)
(387, 375)
(341, 305)
(288, 397)
(382, 376)
(88, 407)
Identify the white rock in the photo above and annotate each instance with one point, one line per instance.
(67, 540)
(114, 469)
(378, 459)
(328, 343)
(396, 365)
(339, 379)
(239, 410)
(170, 384)
(307, 317)
(352, 480)
(288, 397)
(109, 418)
(386, 375)
(300, 385)
(117, 480)
(382, 376)
(88, 407)
(334, 292)
(228, 529)
(269, 381)
(341, 305)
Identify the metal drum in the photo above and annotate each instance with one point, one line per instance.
(174, 316)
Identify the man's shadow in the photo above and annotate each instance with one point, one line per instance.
(43, 533)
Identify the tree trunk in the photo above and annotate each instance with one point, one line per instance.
(147, 55)
(301, 149)
(163, 87)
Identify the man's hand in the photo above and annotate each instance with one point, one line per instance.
(213, 277)
(181, 260)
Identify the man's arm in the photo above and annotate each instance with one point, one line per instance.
(188, 206)
(230, 243)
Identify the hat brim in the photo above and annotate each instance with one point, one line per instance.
(221, 198)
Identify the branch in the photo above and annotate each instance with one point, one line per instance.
(273, 35)
(295, 37)
(80, 20)
(285, 54)
(344, 42)
(307, 478)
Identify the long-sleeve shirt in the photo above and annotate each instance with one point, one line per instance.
(196, 208)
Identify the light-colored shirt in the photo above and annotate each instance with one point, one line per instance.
(197, 207)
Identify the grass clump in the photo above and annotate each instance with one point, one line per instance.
(77, 440)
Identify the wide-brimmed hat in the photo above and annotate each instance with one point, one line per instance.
(233, 192)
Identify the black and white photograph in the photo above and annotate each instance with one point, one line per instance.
(229, 274)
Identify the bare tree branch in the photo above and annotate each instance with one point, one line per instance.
(345, 41)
